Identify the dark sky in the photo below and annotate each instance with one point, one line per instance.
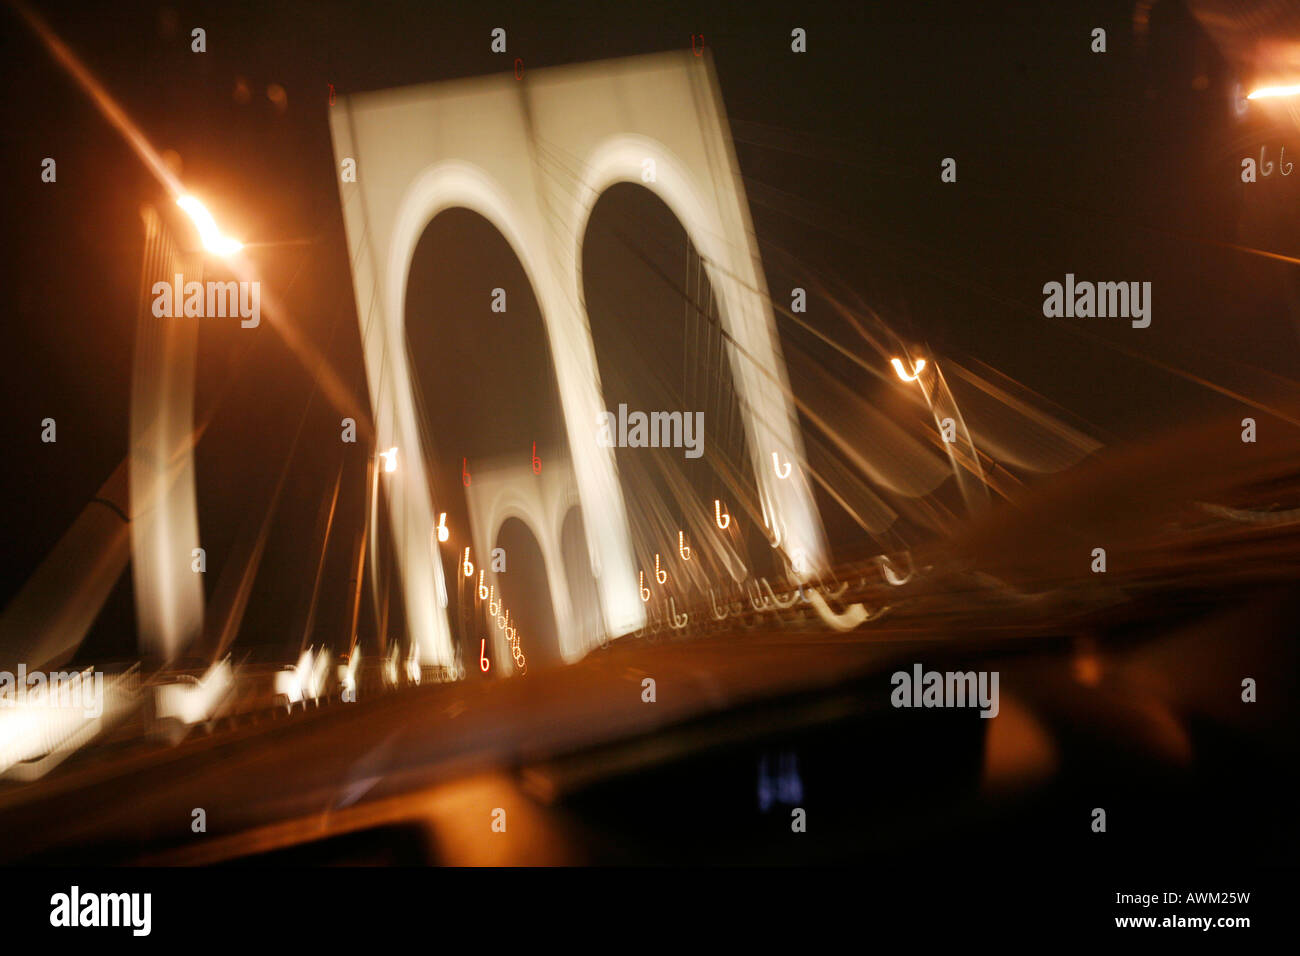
(1119, 166)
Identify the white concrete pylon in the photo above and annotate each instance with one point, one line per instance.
(510, 150)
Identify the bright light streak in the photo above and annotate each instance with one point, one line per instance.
(660, 575)
(723, 520)
(776, 466)
(348, 674)
(390, 465)
(213, 240)
(289, 682)
(467, 566)
(682, 548)
(305, 680)
(443, 533)
(190, 703)
(38, 732)
(1269, 92)
(902, 372)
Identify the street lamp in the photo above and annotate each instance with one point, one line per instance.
(976, 502)
(917, 369)
(213, 241)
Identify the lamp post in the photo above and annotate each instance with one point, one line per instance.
(976, 497)
(162, 497)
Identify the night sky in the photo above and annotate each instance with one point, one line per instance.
(1122, 166)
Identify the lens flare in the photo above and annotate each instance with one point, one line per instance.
(213, 240)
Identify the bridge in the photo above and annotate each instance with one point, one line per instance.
(621, 551)
(853, 489)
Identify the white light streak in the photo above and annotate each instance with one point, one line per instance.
(1270, 92)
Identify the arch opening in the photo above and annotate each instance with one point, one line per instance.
(484, 387)
(526, 591)
(660, 347)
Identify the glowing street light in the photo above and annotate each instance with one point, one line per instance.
(917, 369)
(977, 497)
(211, 236)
